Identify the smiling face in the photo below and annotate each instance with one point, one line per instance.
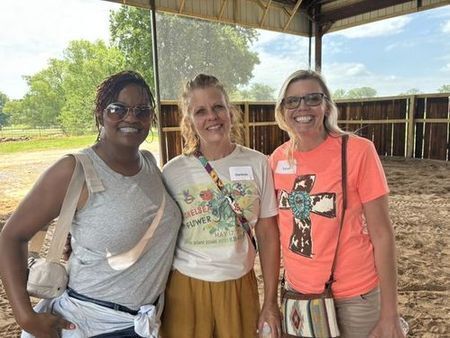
(130, 131)
(210, 117)
(306, 121)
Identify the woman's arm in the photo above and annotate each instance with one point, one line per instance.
(269, 254)
(382, 237)
(39, 207)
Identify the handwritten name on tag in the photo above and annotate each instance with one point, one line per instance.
(284, 167)
(241, 173)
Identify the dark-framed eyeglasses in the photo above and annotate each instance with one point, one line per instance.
(118, 111)
(312, 99)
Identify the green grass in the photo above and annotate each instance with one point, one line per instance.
(39, 144)
(64, 142)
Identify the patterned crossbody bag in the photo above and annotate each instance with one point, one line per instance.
(314, 315)
(231, 201)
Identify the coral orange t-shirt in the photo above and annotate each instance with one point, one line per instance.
(309, 195)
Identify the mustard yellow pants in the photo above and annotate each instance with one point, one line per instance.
(200, 309)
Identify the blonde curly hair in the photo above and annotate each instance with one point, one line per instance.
(191, 139)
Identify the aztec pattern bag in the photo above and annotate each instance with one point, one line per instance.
(310, 315)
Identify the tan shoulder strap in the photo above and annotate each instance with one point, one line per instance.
(68, 208)
(93, 183)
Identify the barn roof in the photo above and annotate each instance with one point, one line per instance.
(290, 16)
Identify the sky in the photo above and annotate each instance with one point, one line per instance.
(391, 56)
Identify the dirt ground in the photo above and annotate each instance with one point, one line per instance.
(420, 212)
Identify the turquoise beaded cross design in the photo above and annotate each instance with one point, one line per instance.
(302, 203)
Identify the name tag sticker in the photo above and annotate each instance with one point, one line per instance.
(241, 173)
(284, 167)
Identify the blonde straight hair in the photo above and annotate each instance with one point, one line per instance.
(330, 120)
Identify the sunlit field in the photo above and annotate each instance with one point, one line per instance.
(30, 142)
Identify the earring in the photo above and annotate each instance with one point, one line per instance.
(101, 133)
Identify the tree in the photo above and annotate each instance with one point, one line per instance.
(339, 94)
(412, 91)
(86, 64)
(361, 92)
(354, 93)
(13, 109)
(444, 89)
(43, 102)
(3, 99)
(186, 47)
(261, 92)
(256, 92)
(63, 92)
(3, 116)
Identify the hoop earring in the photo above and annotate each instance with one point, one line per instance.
(101, 133)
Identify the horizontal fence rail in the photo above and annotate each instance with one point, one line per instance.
(415, 126)
(9, 133)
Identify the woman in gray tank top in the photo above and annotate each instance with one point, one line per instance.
(123, 237)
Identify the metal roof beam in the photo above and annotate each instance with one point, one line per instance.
(222, 9)
(291, 16)
(181, 7)
(265, 13)
(356, 9)
(279, 14)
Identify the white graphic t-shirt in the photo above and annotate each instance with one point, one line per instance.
(212, 246)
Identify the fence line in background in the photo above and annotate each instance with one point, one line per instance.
(8, 132)
(415, 126)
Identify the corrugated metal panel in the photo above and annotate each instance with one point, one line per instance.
(243, 12)
(250, 12)
(388, 12)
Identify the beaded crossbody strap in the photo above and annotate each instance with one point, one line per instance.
(231, 201)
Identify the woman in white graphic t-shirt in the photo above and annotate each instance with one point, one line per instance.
(212, 289)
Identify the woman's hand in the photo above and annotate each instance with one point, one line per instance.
(387, 328)
(67, 248)
(382, 237)
(41, 205)
(269, 254)
(270, 314)
(46, 325)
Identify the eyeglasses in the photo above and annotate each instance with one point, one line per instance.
(311, 100)
(118, 111)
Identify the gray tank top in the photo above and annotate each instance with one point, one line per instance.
(113, 259)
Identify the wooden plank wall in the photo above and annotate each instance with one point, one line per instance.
(435, 135)
(416, 126)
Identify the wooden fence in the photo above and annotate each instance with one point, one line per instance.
(408, 126)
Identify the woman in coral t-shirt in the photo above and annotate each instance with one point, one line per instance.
(309, 164)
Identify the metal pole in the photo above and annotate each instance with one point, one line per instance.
(310, 45)
(162, 148)
(318, 47)
(318, 32)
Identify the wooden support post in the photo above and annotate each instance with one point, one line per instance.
(247, 124)
(411, 125)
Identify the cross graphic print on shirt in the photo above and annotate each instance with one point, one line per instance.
(302, 204)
